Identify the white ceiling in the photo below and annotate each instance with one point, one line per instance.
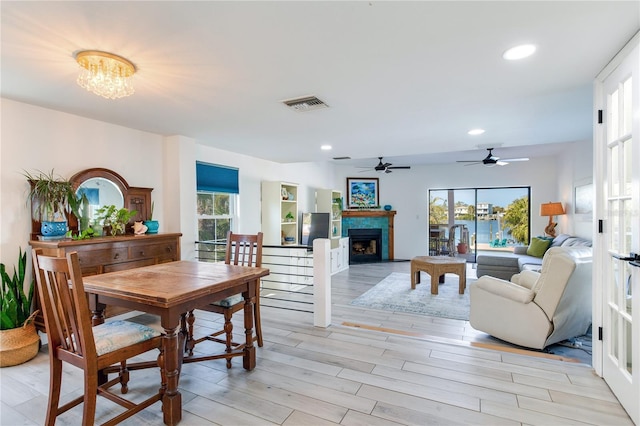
(404, 80)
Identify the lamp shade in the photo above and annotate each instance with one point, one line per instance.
(551, 209)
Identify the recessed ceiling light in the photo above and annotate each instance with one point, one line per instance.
(519, 52)
(325, 147)
(475, 132)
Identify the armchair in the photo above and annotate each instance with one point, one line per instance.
(536, 309)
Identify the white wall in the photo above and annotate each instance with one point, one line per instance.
(34, 138)
(575, 167)
(407, 191)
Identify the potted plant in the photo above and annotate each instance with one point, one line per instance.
(79, 205)
(152, 225)
(19, 340)
(115, 218)
(289, 217)
(49, 195)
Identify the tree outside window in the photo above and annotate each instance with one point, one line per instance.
(216, 216)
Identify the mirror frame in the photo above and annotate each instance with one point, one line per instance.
(135, 198)
(80, 177)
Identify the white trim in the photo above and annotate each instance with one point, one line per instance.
(619, 57)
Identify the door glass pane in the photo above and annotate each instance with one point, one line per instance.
(628, 288)
(614, 175)
(627, 218)
(616, 290)
(614, 212)
(628, 344)
(613, 341)
(628, 170)
(612, 128)
(627, 107)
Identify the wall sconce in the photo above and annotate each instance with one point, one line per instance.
(551, 209)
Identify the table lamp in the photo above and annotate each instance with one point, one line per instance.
(551, 209)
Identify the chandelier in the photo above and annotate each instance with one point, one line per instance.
(105, 74)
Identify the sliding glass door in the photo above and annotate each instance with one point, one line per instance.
(465, 221)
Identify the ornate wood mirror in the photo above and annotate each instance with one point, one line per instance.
(105, 187)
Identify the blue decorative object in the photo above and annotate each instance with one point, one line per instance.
(152, 226)
(387, 207)
(53, 229)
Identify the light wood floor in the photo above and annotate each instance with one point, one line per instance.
(419, 370)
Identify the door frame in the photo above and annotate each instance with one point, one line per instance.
(599, 171)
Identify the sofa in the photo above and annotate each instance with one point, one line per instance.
(504, 265)
(536, 309)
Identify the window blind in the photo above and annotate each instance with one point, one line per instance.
(216, 178)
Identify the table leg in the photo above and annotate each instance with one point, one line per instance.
(172, 399)
(97, 309)
(415, 277)
(435, 278)
(249, 357)
(463, 281)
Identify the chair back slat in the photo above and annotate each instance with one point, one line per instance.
(244, 249)
(64, 303)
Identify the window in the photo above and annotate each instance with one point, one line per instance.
(481, 219)
(217, 195)
(216, 216)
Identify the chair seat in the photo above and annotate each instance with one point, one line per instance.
(229, 301)
(115, 335)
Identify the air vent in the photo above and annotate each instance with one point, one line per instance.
(342, 158)
(308, 103)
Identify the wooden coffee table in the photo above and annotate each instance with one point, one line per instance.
(437, 266)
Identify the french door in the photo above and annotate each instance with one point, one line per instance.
(617, 154)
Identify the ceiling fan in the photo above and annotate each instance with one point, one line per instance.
(385, 167)
(491, 160)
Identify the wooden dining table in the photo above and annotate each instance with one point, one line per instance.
(170, 290)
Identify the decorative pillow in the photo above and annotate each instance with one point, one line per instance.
(538, 247)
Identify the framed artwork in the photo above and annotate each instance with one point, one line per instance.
(583, 199)
(362, 192)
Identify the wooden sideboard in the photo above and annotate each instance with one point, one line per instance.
(108, 254)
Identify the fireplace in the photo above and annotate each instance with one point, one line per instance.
(365, 245)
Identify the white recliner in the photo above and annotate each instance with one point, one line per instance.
(536, 309)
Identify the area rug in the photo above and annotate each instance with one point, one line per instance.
(394, 293)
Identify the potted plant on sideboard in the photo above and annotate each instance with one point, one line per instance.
(19, 340)
(152, 225)
(49, 195)
(114, 218)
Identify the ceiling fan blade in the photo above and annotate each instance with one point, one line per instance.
(501, 163)
(398, 167)
(471, 163)
(511, 160)
(387, 170)
(468, 161)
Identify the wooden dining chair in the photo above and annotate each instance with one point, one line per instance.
(72, 339)
(245, 250)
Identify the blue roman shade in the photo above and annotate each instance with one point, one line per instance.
(216, 178)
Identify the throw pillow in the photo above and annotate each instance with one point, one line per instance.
(538, 247)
